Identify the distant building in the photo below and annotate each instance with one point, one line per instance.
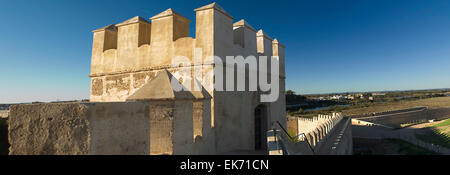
(378, 94)
(337, 97)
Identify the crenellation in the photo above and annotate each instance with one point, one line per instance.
(216, 7)
(244, 35)
(317, 128)
(104, 40)
(136, 105)
(145, 49)
(133, 34)
(264, 43)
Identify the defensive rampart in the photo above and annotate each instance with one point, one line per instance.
(324, 135)
(137, 128)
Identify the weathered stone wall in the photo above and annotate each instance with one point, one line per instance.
(343, 143)
(292, 125)
(118, 87)
(4, 113)
(119, 128)
(130, 62)
(49, 129)
(143, 49)
(137, 128)
(4, 145)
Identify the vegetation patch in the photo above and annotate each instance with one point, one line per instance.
(439, 134)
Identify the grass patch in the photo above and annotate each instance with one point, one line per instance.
(442, 124)
(293, 138)
(439, 134)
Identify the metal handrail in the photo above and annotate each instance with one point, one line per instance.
(292, 138)
(281, 126)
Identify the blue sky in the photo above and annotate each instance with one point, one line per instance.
(331, 46)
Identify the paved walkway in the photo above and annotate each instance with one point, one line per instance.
(334, 139)
(385, 115)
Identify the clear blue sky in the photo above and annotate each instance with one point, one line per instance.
(332, 46)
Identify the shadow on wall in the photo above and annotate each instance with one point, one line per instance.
(4, 145)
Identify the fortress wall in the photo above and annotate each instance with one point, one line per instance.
(139, 53)
(143, 128)
(118, 87)
(167, 27)
(317, 128)
(232, 111)
(264, 43)
(140, 45)
(104, 50)
(127, 46)
(48, 129)
(326, 138)
(279, 107)
(4, 113)
(265, 47)
(235, 120)
(343, 144)
(244, 40)
(114, 128)
(183, 135)
(278, 50)
(204, 33)
(204, 135)
(292, 125)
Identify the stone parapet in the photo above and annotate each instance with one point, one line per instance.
(136, 128)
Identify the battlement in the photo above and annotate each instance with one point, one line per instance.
(140, 45)
(127, 55)
(320, 135)
(317, 128)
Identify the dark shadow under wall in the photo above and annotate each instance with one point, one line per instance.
(4, 145)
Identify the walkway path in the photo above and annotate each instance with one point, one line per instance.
(385, 115)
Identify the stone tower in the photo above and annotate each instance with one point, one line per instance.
(129, 55)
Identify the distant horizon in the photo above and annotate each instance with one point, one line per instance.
(331, 46)
(70, 100)
(374, 91)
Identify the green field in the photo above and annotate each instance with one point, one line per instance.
(439, 134)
